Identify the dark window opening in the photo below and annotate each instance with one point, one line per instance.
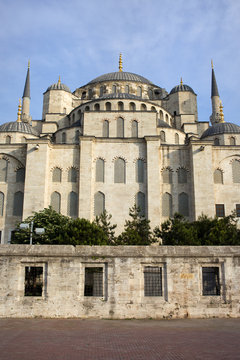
(33, 281)
(220, 211)
(93, 281)
(210, 278)
(152, 281)
(238, 210)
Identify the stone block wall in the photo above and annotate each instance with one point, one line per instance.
(125, 291)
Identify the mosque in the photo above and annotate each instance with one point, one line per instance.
(116, 141)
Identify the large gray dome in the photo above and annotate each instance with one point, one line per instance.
(121, 76)
(59, 86)
(221, 128)
(181, 87)
(21, 127)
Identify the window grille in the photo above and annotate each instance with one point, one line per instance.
(152, 281)
(33, 281)
(93, 281)
(210, 279)
(220, 211)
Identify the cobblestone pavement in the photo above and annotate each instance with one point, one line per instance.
(70, 339)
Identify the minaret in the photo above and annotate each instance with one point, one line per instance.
(26, 98)
(216, 102)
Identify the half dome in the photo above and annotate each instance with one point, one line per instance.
(221, 128)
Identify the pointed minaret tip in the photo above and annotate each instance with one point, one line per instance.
(19, 111)
(26, 91)
(181, 82)
(28, 64)
(214, 91)
(120, 62)
(59, 80)
(212, 64)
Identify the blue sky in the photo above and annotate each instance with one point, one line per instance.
(161, 40)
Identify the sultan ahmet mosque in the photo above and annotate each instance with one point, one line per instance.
(118, 140)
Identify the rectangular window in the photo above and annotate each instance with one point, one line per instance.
(210, 281)
(152, 281)
(220, 211)
(93, 281)
(33, 281)
(238, 210)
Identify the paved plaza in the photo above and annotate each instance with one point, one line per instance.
(70, 339)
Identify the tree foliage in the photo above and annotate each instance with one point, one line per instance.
(204, 231)
(104, 222)
(137, 230)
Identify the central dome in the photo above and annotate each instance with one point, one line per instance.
(120, 76)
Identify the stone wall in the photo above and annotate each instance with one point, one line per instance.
(63, 286)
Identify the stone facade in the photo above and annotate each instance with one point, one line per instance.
(123, 120)
(119, 282)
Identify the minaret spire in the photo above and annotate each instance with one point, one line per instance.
(26, 98)
(216, 102)
(120, 63)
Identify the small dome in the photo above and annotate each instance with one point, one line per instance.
(181, 87)
(59, 86)
(221, 128)
(21, 127)
(120, 76)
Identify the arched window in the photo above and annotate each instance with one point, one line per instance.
(99, 203)
(72, 175)
(56, 201)
(120, 127)
(1, 203)
(108, 106)
(167, 205)
(105, 128)
(161, 115)
(236, 171)
(90, 93)
(183, 207)
(64, 138)
(140, 202)
(120, 106)
(132, 106)
(8, 139)
(79, 114)
(216, 141)
(57, 175)
(176, 139)
(119, 171)
(134, 128)
(232, 140)
(127, 89)
(140, 171)
(87, 108)
(162, 135)
(20, 175)
(167, 118)
(97, 107)
(143, 107)
(100, 170)
(18, 203)
(101, 90)
(77, 134)
(114, 89)
(3, 170)
(153, 109)
(167, 176)
(139, 91)
(84, 94)
(182, 176)
(218, 176)
(150, 94)
(72, 206)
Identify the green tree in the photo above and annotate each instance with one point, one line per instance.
(50, 220)
(136, 230)
(104, 222)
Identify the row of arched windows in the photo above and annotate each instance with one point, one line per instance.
(119, 170)
(72, 203)
(167, 204)
(20, 173)
(232, 141)
(120, 128)
(218, 173)
(99, 203)
(57, 175)
(167, 175)
(64, 137)
(163, 137)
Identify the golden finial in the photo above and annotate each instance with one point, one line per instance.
(120, 62)
(181, 82)
(221, 113)
(19, 111)
(29, 64)
(59, 80)
(212, 64)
